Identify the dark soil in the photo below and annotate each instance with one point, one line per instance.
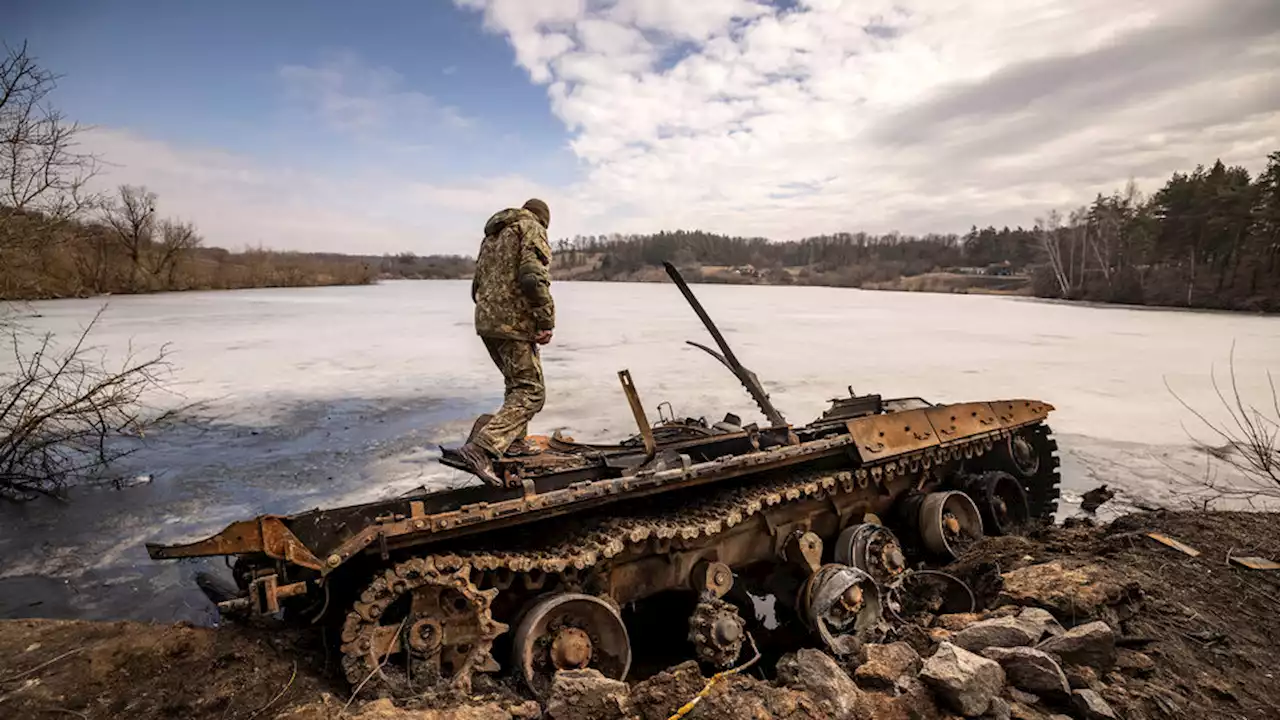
(69, 669)
(1211, 627)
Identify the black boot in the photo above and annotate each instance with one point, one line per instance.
(481, 463)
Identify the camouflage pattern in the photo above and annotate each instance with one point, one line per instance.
(512, 283)
(525, 393)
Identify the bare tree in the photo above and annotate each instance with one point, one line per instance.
(41, 170)
(177, 240)
(1049, 231)
(1249, 440)
(65, 417)
(132, 219)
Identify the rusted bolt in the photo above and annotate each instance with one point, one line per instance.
(571, 649)
(726, 632)
(334, 561)
(852, 598)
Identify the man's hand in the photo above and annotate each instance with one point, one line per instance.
(543, 337)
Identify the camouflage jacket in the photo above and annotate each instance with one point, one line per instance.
(512, 284)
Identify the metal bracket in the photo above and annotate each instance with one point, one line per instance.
(633, 398)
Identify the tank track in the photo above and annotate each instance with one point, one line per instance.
(579, 549)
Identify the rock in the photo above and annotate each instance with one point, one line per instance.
(1093, 644)
(940, 635)
(1035, 616)
(746, 697)
(1134, 663)
(587, 695)
(1019, 711)
(1081, 677)
(658, 697)
(384, 709)
(966, 682)
(997, 632)
(1031, 670)
(1075, 592)
(1022, 696)
(955, 622)
(885, 664)
(1002, 611)
(913, 701)
(1089, 705)
(998, 710)
(815, 673)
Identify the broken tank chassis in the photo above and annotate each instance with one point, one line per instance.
(431, 588)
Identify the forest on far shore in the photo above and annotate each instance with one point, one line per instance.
(1209, 238)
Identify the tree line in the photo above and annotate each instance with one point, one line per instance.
(59, 238)
(1209, 238)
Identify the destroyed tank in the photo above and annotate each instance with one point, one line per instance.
(427, 590)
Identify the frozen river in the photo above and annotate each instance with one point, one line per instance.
(339, 395)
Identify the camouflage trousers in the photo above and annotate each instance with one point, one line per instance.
(524, 393)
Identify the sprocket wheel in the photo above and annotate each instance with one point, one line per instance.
(419, 627)
(716, 631)
(1042, 485)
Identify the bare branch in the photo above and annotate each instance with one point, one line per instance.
(64, 418)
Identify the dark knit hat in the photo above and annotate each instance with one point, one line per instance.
(540, 209)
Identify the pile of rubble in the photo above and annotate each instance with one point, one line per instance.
(1024, 666)
(1014, 662)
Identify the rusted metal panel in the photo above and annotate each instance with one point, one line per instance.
(1176, 545)
(1013, 413)
(962, 421)
(238, 538)
(633, 399)
(883, 436)
(1255, 563)
(265, 534)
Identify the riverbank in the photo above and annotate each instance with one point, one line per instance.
(1179, 636)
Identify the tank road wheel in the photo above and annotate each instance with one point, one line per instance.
(1002, 501)
(949, 522)
(873, 549)
(570, 631)
(417, 628)
(842, 605)
(1031, 455)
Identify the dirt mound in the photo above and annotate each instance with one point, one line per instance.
(140, 671)
(1080, 621)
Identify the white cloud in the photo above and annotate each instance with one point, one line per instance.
(916, 115)
(237, 201)
(354, 96)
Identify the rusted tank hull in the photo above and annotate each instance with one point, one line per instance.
(733, 512)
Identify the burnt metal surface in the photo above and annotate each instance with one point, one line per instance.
(570, 631)
(717, 631)
(337, 535)
(726, 356)
(439, 637)
(637, 410)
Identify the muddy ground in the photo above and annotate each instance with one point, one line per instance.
(1195, 638)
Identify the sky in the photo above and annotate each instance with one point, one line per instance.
(401, 125)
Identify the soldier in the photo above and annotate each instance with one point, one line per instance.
(514, 314)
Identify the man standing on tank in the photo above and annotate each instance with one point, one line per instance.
(514, 314)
